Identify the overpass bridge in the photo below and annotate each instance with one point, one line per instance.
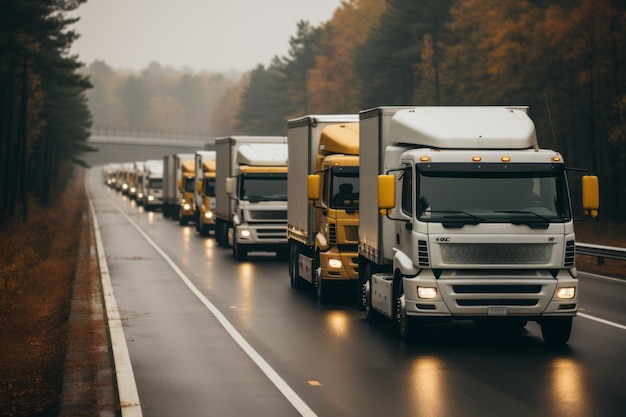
(130, 146)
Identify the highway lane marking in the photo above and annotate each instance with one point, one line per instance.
(273, 376)
(610, 323)
(126, 386)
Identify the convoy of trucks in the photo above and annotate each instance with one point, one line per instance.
(251, 194)
(135, 178)
(204, 196)
(323, 217)
(477, 220)
(431, 213)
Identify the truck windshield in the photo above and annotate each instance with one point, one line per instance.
(344, 188)
(263, 187)
(155, 183)
(490, 195)
(189, 184)
(209, 187)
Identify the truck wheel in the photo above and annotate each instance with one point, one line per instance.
(371, 315)
(182, 220)
(319, 282)
(219, 237)
(293, 267)
(556, 330)
(238, 252)
(407, 326)
(322, 290)
(204, 230)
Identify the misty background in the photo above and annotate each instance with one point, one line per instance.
(565, 60)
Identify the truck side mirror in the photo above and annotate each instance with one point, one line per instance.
(313, 188)
(386, 193)
(591, 195)
(230, 186)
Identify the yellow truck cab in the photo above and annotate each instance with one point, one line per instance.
(186, 188)
(324, 217)
(205, 192)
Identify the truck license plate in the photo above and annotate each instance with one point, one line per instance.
(496, 311)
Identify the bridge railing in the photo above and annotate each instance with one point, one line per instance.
(99, 130)
(601, 252)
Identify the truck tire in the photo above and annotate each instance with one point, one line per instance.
(371, 316)
(204, 229)
(240, 253)
(219, 236)
(407, 325)
(320, 288)
(294, 278)
(556, 330)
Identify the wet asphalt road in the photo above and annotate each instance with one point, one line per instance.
(300, 357)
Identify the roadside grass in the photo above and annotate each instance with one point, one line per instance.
(37, 263)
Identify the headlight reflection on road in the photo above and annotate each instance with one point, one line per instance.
(568, 388)
(337, 322)
(428, 387)
(245, 281)
(209, 248)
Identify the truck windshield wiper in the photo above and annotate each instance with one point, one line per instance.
(256, 198)
(539, 222)
(456, 222)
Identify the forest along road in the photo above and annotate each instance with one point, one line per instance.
(208, 335)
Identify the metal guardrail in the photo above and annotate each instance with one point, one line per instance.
(601, 252)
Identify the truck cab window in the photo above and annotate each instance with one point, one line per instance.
(493, 195)
(344, 188)
(263, 187)
(209, 187)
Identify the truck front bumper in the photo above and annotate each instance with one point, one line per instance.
(339, 266)
(494, 296)
(262, 236)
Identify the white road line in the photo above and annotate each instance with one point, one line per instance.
(126, 386)
(282, 386)
(610, 323)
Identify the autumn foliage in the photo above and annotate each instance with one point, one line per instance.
(564, 59)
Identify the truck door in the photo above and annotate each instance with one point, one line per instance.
(406, 195)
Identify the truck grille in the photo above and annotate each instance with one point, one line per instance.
(570, 254)
(267, 214)
(274, 233)
(496, 253)
(422, 253)
(332, 233)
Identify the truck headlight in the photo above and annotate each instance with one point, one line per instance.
(566, 293)
(208, 215)
(427, 292)
(335, 263)
(150, 198)
(186, 206)
(245, 233)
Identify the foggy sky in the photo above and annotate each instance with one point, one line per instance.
(213, 35)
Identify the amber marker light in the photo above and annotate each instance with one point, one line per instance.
(506, 159)
(476, 158)
(425, 158)
(556, 159)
